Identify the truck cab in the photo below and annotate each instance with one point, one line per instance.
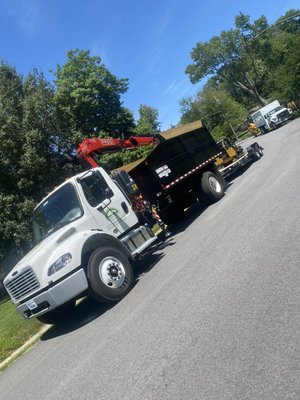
(271, 116)
(86, 236)
(278, 116)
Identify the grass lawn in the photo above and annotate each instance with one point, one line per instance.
(14, 329)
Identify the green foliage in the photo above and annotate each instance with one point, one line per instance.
(147, 122)
(216, 108)
(14, 329)
(228, 58)
(288, 23)
(284, 82)
(251, 63)
(116, 160)
(88, 97)
(244, 58)
(27, 127)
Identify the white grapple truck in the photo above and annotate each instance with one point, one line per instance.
(86, 236)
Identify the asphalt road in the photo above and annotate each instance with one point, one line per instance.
(215, 313)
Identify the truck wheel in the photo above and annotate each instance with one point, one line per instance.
(256, 154)
(110, 275)
(263, 129)
(273, 126)
(58, 315)
(213, 187)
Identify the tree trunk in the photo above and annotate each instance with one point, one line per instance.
(252, 92)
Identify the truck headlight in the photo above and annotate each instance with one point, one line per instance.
(60, 263)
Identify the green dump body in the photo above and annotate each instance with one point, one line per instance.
(182, 153)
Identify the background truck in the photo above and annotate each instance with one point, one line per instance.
(271, 116)
(87, 234)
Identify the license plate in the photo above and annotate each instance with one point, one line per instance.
(31, 304)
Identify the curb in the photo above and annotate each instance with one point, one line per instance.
(26, 346)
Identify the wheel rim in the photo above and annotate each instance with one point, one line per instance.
(214, 184)
(112, 272)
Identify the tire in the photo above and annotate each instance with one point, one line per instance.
(257, 153)
(263, 130)
(212, 187)
(110, 275)
(58, 315)
(273, 126)
(260, 150)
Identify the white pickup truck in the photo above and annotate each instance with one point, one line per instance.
(271, 116)
(86, 235)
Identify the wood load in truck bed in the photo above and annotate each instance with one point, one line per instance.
(168, 134)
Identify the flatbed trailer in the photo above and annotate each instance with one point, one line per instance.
(233, 156)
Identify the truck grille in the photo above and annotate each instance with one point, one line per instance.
(284, 114)
(22, 285)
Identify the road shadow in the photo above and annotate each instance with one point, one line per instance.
(145, 264)
(194, 212)
(240, 171)
(85, 312)
(88, 309)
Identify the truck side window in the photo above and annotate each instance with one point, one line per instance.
(94, 188)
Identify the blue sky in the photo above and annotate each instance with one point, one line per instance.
(148, 42)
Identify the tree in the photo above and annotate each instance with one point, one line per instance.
(28, 138)
(289, 22)
(218, 110)
(283, 58)
(284, 82)
(230, 57)
(147, 122)
(89, 97)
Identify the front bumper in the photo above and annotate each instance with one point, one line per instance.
(55, 295)
(281, 121)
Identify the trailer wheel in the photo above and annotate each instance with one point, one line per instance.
(58, 315)
(260, 150)
(213, 187)
(256, 154)
(110, 275)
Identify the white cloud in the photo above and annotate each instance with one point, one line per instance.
(163, 23)
(175, 86)
(25, 13)
(98, 49)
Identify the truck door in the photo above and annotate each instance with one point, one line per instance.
(107, 203)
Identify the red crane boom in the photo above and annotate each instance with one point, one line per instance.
(88, 148)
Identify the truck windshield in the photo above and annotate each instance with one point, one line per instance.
(56, 211)
(275, 110)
